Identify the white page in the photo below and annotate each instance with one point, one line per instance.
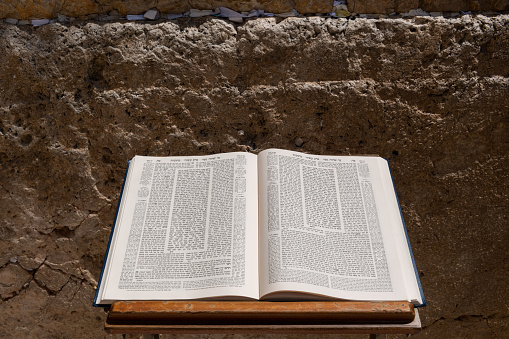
(326, 228)
(400, 237)
(187, 229)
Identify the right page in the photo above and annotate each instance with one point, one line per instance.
(330, 227)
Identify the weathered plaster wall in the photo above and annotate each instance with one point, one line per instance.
(78, 100)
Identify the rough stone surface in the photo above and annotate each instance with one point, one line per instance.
(464, 5)
(78, 100)
(378, 6)
(314, 6)
(402, 6)
(78, 9)
(31, 9)
(445, 5)
(12, 279)
(51, 279)
(388, 6)
(276, 6)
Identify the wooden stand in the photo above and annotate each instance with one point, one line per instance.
(262, 317)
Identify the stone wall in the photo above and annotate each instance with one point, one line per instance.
(401, 6)
(32, 9)
(80, 8)
(77, 101)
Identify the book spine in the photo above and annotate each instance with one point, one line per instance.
(109, 241)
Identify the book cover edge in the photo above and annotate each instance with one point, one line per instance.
(416, 272)
(95, 304)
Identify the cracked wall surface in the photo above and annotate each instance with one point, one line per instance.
(78, 100)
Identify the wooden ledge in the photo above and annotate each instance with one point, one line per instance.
(259, 317)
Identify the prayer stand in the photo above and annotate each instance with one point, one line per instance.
(263, 317)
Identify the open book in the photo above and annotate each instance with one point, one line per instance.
(280, 225)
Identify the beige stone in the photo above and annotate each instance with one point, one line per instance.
(444, 5)
(371, 6)
(29, 9)
(275, 6)
(464, 5)
(32, 9)
(384, 6)
(402, 6)
(173, 6)
(129, 6)
(81, 8)
(315, 6)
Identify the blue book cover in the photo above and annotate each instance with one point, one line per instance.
(408, 241)
(109, 241)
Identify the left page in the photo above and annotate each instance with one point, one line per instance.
(187, 228)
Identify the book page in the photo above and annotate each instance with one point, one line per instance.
(326, 228)
(187, 229)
